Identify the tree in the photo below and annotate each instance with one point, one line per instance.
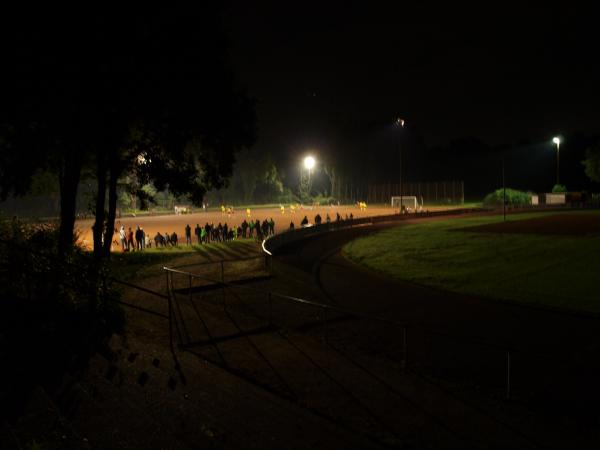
(592, 162)
(149, 94)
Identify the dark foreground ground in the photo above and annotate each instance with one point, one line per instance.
(249, 370)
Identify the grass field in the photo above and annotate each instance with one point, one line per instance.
(556, 270)
(132, 265)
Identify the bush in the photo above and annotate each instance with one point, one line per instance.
(322, 200)
(513, 198)
(54, 312)
(559, 189)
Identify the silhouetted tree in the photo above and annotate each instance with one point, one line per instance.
(150, 94)
(592, 162)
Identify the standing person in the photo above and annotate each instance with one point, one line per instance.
(138, 239)
(207, 233)
(271, 226)
(143, 238)
(304, 222)
(291, 226)
(258, 230)
(174, 239)
(130, 244)
(318, 219)
(328, 219)
(198, 233)
(123, 237)
(250, 229)
(188, 235)
(244, 228)
(203, 235)
(167, 238)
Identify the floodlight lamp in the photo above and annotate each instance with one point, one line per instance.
(309, 162)
(400, 122)
(556, 140)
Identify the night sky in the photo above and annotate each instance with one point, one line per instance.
(499, 73)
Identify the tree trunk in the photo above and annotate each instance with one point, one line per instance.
(69, 181)
(98, 227)
(112, 209)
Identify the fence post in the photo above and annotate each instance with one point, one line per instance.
(170, 305)
(508, 375)
(403, 363)
(325, 324)
(270, 309)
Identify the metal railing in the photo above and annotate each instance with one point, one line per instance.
(274, 242)
(329, 315)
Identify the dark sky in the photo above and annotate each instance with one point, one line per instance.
(500, 73)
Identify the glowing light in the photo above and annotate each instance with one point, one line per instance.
(309, 162)
(400, 122)
(556, 140)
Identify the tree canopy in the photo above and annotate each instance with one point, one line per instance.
(150, 93)
(592, 162)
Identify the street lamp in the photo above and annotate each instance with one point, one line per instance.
(556, 140)
(400, 124)
(309, 163)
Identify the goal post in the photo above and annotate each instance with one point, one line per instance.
(408, 202)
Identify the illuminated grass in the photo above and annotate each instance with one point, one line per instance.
(551, 270)
(130, 265)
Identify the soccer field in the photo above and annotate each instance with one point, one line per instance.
(176, 223)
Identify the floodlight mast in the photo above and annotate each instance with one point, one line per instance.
(556, 140)
(400, 124)
(309, 164)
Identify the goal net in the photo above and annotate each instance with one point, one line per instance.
(409, 202)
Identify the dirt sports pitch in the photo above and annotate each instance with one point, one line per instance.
(170, 223)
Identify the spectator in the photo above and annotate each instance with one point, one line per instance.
(198, 233)
(130, 244)
(188, 235)
(138, 239)
(304, 222)
(123, 237)
(174, 239)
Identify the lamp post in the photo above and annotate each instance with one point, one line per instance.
(556, 140)
(400, 124)
(309, 163)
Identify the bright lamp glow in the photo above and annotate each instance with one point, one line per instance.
(309, 162)
(556, 140)
(400, 122)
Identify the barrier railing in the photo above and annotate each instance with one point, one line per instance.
(274, 242)
(180, 282)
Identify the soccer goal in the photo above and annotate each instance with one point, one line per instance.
(409, 202)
